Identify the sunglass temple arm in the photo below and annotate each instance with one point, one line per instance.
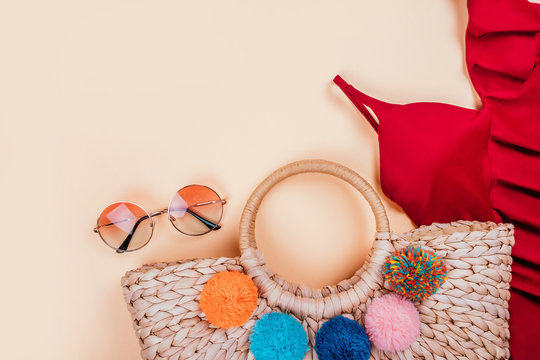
(209, 224)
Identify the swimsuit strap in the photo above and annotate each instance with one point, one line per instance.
(360, 100)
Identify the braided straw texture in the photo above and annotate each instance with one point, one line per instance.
(467, 318)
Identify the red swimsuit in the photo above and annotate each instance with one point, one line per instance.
(443, 163)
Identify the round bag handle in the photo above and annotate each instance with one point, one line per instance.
(301, 300)
(249, 215)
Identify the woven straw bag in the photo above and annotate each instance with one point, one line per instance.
(467, 318)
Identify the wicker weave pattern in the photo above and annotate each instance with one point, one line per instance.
(466, 319)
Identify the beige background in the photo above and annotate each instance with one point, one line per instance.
(130, 100)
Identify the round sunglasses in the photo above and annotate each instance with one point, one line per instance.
(193, 210)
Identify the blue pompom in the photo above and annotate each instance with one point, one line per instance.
(278, 336)
(342, 338)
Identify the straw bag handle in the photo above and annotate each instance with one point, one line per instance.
(302, 301)
(247, 222)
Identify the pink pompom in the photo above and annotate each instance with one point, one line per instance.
(392, 322)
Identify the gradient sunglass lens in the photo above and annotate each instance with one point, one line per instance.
(125, 226)
(196, 210)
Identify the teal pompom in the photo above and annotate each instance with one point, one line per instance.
(278, 336)
(414, 272)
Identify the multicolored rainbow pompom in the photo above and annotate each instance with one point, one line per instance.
(414, 272)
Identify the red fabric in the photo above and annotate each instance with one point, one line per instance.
(443, 163)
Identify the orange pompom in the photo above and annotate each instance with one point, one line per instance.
(228, 299)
